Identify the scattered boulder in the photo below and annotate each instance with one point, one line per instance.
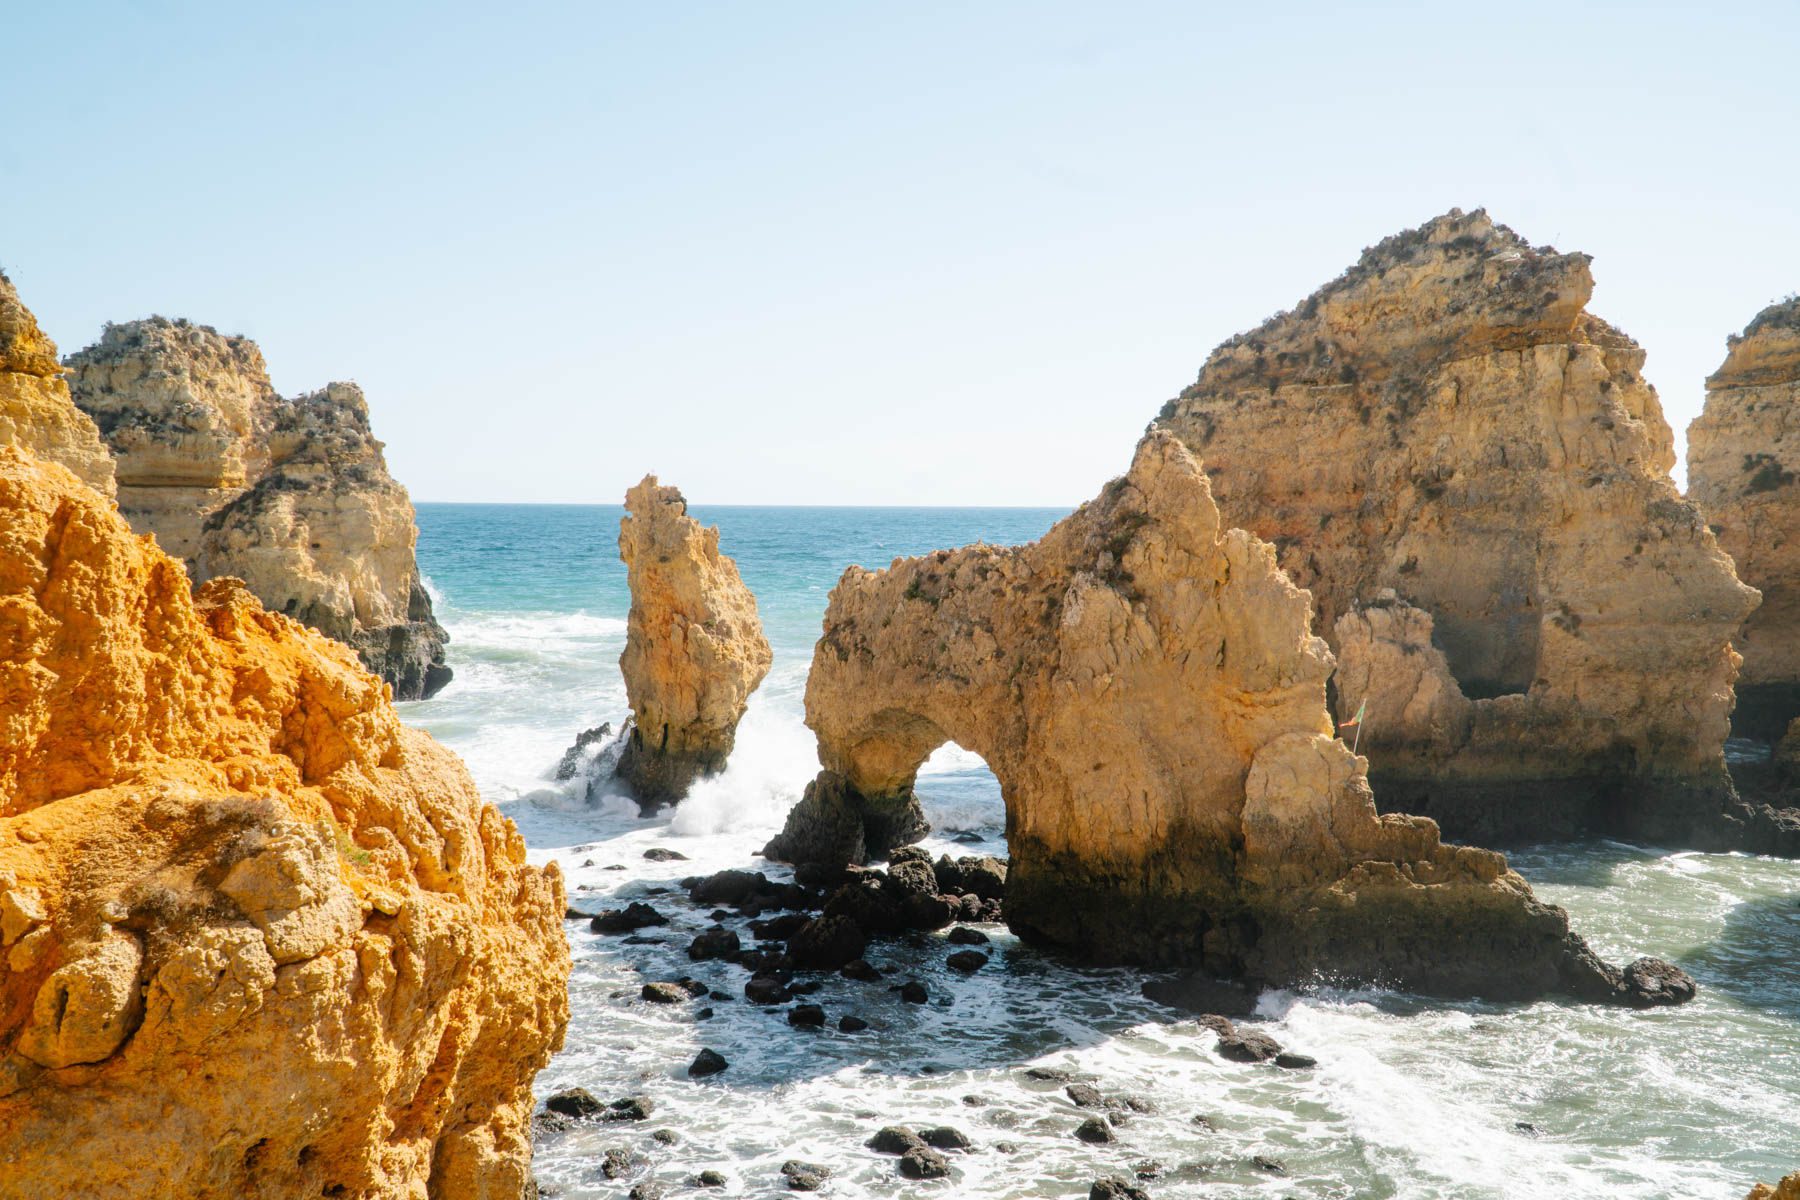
(1653, 983)
(1085, 1095)
(806, 1016)
(804, 1176)
(966, 961)
(1199, 992)
(574, 1102)
(914, 992)
(766, 989)
(707, 1062)
(827, 944)
(850, 1023)
(962, 935)
(860, 970)
(710, 1179)
(1096, 1131)
(1295, 1062)
(895, 1139)
(1248, 1046)
(1114, 1188)
(666, 993)
(728, 887)
(632, 1108)
(715, 942)
(922, 1162)
(943, 1137)
(634, 916)
(659, 854)
(648, 1189)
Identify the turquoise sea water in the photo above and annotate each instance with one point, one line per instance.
(1412, 1098)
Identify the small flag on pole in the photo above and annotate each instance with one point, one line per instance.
(1357, 719)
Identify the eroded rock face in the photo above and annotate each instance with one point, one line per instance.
(291, 496)
(36, 411)
(1145, 686)
(1787, 1189)
(1741, 472)
(1446, 421)
(694, 650)
(259, 939)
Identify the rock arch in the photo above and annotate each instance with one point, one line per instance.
(1146, 687)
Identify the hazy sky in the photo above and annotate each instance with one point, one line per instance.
(846, 253)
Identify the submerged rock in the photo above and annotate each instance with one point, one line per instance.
(804, 1176)
(1145, 686)
(707, 1062)
(922, 1162)
(293, 496)
(570, 764)
(236, 887)
(1115, 1188)
(694, 649)
(1446, 421)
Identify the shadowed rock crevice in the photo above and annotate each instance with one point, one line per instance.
(1467, 468)
(1146, 688)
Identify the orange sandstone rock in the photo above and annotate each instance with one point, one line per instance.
(694, 649)
(36, 411)
(259, 939)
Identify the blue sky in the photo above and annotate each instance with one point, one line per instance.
(845, 253)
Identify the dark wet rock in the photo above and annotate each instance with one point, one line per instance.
(659, 854)
(705, 1014)
(968, 837)
(638, 939)
(860, 969)
(1114, 1188)
(729, 887)
(1295, 1062)
(613, 867)
(1049, 1074)
(574, 1102)
(973, 1101)
(818, 875)
(767, 961)
(907, 854)
(766, 989)
(666, 993)
(804, 1176)
(1249, 1046)
(1139, 1104)
(967, 907)
(545, 1123)
(865, 899)
(632, 1108)
(913, 877)
(1201, 1121)
(716, 942)
(852, 1024)
(985, 876)
(827, 943)
(618, 1162)
(966, 961)
(993, 912)
(964, 936)
(779, 929)
(922, 1162)
(710, 1179)
(665, 1137)
(633, 916)
(1219, 1025)
(1085, 1095)
(806, 1016)
(807, 988)
(914, 992)
(1148, 1169)
(943, 1137)
(1653, 983)
(707, 1062)
(648, 1189)
(575, 914)
(1526, 1127)
(1095, 1131)
(569, 765)
(1263, 1162)
(927, 912)
(895, 1139)
(1197, 992)
(1007, 1147)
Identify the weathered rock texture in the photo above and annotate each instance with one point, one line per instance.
(1787, 1189)
(1741, 472)
(1445, 421)
(36, 410)
(291, 496)
(694, 649)
(257, 939)
(1145, 686)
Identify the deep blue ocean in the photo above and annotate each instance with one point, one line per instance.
(1411, 1098)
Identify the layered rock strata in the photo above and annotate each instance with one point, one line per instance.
(1742, 473)
(1447, 425)
(36, 410)
(1146, 688)
(694, 648)
(257, 938)
(292, 496)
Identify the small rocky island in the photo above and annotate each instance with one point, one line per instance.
(694, 647)
(293, 496)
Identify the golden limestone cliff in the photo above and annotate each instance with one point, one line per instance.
(36, 411)
(292, 496)
(1146, 687)
(694, 648)
(1471, 475)
(1742, 473)
(257, 939)
(1787, 1189)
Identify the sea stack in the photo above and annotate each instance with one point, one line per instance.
(292, 496)
(1742, 473)
(1146, 687)
(694, 648)
(36, 411)
(1471, 475)
(260, 939)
